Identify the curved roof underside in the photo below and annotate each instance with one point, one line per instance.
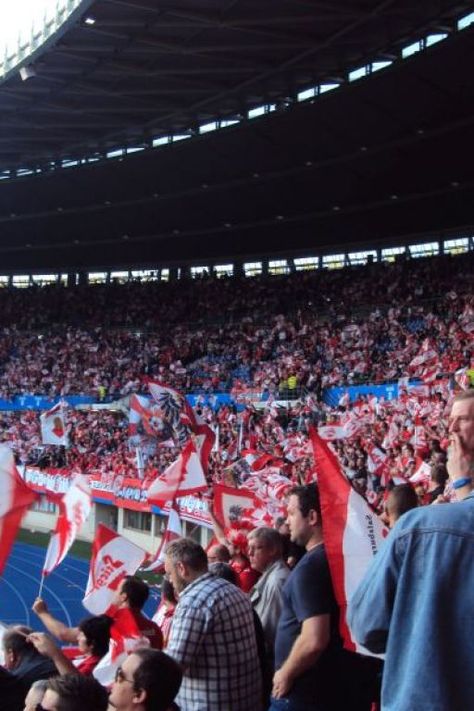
(382, 157)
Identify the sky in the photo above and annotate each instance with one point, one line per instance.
(17, 17)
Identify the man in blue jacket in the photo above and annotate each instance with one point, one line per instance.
(416, 602)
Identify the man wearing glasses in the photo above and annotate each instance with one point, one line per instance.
(148, 680)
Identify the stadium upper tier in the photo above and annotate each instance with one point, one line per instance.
(94, 176)
(325, 327)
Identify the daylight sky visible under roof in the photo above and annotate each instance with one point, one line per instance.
(18, 17)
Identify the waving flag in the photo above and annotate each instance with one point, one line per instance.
(185, 476)
(146, 418)
(352, 532)
(230, 503)
(171, 408)
(15, 498)
(74, 509)
(113, 558)
(173, 531)
(53, 426)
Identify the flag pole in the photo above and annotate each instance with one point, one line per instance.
(41, 584)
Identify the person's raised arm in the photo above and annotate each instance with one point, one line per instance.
(57, 628)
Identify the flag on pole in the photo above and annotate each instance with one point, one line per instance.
(53, 426)
(184, 476)
(15, 498)
(140, 462)
(352, 532)
(173, 531)
(74, 509)
(113, 558)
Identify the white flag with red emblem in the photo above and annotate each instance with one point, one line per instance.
(352, 532)
(15, 498)
(113, 558)
(173, 531)
(74, 509)
(185, 476)
(53, 426)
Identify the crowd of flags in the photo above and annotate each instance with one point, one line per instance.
(253, 494)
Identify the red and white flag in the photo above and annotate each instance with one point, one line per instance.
(183, 477)
(230, 503)
(422, 474)
(113, 558)
(376, 460)
(173, 531)
(461, 377)
(126, 636)
(15, 498)
(352, 532)
(53, 426)
(339, 431)
(74, 509)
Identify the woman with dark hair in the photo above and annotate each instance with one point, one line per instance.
(163, 616)
(93, 643)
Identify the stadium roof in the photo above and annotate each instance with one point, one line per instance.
(380, 157)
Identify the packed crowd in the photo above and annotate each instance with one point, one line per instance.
(378, 442)
(252, 624)
(275, 333)
(255, 626)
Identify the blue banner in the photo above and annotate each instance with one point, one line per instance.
(40, 402)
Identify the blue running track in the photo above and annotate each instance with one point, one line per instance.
(63, 590)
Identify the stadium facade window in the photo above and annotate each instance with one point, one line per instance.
(69, 163)
(377, 66)
(252, 268)
(428, 249)
(21, 280)
(63, 279)
(199, 272)
(434, 39)
(334, 261)
(137, 520)
(307, 94)
(116, 153)
(456, 246)
(161, 141)
(43, 505)
(4, 280)
(207, 127)
(120, 277)
(165, 275)
(323, 88)
(306, 263)
(43, 279)
(357, 73)
(278, 266)
(389, 254)
(145, 274)
(97, 277)
(257, 111)
(228, 122)
(135, 149)
(412, 49)
(224, 270)
(362, 257)
(180, 137)
(466, 21)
